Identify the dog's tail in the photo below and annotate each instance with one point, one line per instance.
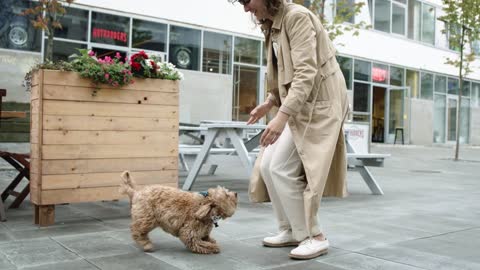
(128, 186)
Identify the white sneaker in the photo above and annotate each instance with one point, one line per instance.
(310, 248)
(283, 239)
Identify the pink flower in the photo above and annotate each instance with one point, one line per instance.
(107, 76)
(118, 56)
(91, 53)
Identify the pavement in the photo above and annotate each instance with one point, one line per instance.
(429, 218)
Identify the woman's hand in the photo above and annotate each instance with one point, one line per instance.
(274, 129)
(259, 112)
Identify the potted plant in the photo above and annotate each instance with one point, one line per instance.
(93, 118)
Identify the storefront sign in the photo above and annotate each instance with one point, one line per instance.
(379, 75)
(357, 136)
(109, 34)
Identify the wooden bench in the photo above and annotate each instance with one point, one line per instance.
(22, 164)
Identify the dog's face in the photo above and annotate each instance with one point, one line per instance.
(224, 202)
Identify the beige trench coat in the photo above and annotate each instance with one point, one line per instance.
(306, 82)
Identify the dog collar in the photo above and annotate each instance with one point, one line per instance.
(215, 220)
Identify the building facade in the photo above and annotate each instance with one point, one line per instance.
(395, 72)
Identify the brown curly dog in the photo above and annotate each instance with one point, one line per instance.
(186, 215)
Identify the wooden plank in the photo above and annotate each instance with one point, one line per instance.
(54, 107)
(54, 122)
(66, 181)
(35, 92)
(169, 149)
(85, 194)
(72, 93)
(108, 137)
(34, 135)
(44, 215)
(54, 77)
(35, 150)
(34, 166)
(12, 114)
(34, 107)
(34, 194)
(108, 165)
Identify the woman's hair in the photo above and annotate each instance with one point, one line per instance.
(272, 8)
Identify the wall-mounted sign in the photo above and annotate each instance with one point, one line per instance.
(358, 136)
(379, 74)
(109, 34)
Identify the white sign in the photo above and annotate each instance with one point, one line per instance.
(358, 136)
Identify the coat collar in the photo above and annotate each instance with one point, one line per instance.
(277, 19)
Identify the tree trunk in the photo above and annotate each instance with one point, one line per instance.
(462, 46)
(49, 48)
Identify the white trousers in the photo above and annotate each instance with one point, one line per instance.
(282, 171)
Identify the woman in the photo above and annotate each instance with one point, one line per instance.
(305, 154)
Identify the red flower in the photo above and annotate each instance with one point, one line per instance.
(154, 65)
(136, 66)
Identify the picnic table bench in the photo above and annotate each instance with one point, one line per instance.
(358, 158)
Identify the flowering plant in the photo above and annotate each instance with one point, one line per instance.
(111, 71)
(152, 67)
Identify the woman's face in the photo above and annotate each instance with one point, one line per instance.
(257, 8)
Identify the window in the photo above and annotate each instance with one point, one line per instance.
(475, 94)
(346, 10)
(346, 67)
(439, 118)
(74, 25)
(362, 70)
(398, 18)
(380, 73)
(421, 22)
(426, 86)
(217, 56)
(382, 15)
(466, 89)
(247, 51)
(440, 84)
(414, 19)
(16, 31)
(264, 54)
(149, 35)
(110, 29)
(476, 47)
(453, 86)
(412, 81)
(63, 50)
(184, 50)
(428, 24)
(361, 97)
(397, 76)
(389, 15)
(465, 120)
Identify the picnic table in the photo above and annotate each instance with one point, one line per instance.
(230, 129)
(18, 161)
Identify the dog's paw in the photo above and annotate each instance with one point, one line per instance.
(148, 247)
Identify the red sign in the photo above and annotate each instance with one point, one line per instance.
(109, 34)
(379, 75)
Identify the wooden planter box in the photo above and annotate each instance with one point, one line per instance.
(81, 143)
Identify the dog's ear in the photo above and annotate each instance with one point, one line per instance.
(203, 210)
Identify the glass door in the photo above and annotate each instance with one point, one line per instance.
(452, 108)
(245, 91)
(395, 114)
